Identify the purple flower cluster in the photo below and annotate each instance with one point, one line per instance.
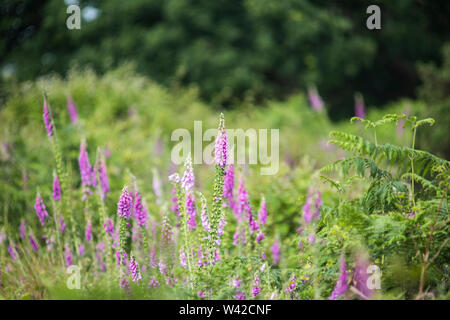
(359, 106)
(125, 204)
(22, 226)
(256, 289)
(47, 119)
(56, 188)
(88, 232)
(62, 225)
(183, 258)
(87, 173)
(314, 99)
(175, 206)
(228, 186)
(275, 252)
(204, 216)
(140, 211)
(221, 147)
(67, 255)
(12, 253)
(40, 209)
(311, 209)
(187, 183)
(103, 176)
(292, 284)
(33, 243)
(134, 269)
(360, 275)
(341, 285)
(262, 213)
(73, 114)
(108, 226)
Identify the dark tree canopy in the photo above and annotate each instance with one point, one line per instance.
(235, 49)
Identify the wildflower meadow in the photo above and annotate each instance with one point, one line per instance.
(94, 208)
(224, 158)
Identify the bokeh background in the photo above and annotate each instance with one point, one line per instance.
(235, 50)
(138, 69)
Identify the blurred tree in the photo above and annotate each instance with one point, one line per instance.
(234, 49)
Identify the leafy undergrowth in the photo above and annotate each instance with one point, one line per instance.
(93, 208)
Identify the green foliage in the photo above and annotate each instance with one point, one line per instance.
(398, 217)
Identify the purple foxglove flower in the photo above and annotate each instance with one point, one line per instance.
(73, 114)
(88, 232)
(236, 282)
(81, 250)
(153, 283)
(47, 119)
(162, 268)
(183, 258)
(175, 205)
(311, 238)
(187, 181)
(125, 204)
(33, 243)
(314, 99)
(411, 214)
(204, 215)
(236, 238)
(359, 106)
(319, 203)
(40, 209)
(201, 259)
(243, 207)
(307, 212)
(221, 147)
(228, 186)
(56, 188)
(103, 176)
(360, 275)
(152, 258)
(108, 226)
(140, 211)
(12, 253)
(156, 184)
(100, 246)
(22, 226)
(190, 210)
(62, 225)
(2, 236)
(67, 255)
(256, 289)
(341, 285)
(220, 229)
(276, 252)
(201, 294)
(87, 174)
(262, 214)
(239, 296)
(124, 283)
(260, 237)
(174, 178)
(310, 213)
(292, 284)
(134, 269)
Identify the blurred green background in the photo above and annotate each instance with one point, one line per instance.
(234, 51)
